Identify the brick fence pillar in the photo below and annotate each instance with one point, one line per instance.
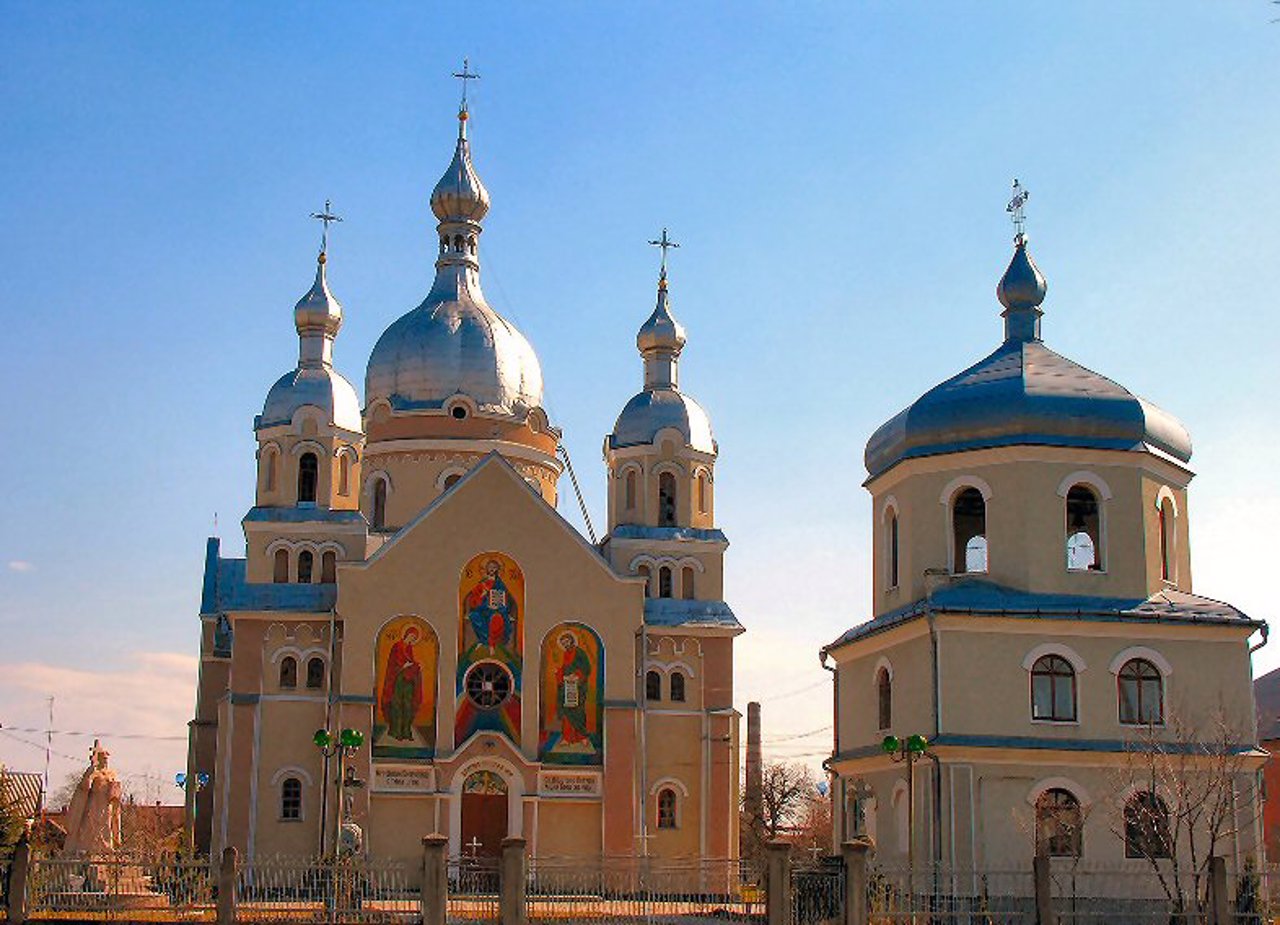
(511, 881)
(1043, 885)
(855, 881)
(19, 872)
(777, 888)
(434, 901)
(227, 877)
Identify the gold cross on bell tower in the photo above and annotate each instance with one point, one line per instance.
(325, 217)
(1017, 209)
(665, 243)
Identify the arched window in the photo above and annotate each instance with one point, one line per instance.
(686, 582)
(305, 561)
(704, 493)
(969, 528)
(315, 673)
(379, 504)
(664, 582)
(666, 808)
(269, 463)
(653, 686)
(329, 567)
(1059, 824)
(291, 798)
(1146, 827)
(644, 571)
(308, 473)
(1053, 689)
(892, 537)
(1141, 693)
(288, 671)
(666, 500)
(344, 474)
(1167, 519)
(884, 698)
(631, 490)
(1084, 537)
(281, 575)
(677, 686)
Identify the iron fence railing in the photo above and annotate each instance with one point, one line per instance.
(643, 890)
(473, 890)
(957, 897)
(818, 893)
(325, 890)
(121, 887)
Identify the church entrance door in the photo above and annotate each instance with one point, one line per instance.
(484, 814)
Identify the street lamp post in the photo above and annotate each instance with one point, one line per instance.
(908, 751)
(191, 785)
(347, 742)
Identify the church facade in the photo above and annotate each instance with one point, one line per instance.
(407, 576)
(1033, 620)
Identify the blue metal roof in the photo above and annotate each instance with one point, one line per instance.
(666, 611)
(640, 532)
(302, 513)
(226, 589)
(986, 598)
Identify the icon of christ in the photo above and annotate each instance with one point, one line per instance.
(491, 608)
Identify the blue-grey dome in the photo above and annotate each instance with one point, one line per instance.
(655, 409)
(320, 387)
(1025, 394)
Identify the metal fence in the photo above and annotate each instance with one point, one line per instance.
(325, 890)
(473, 890)
(643, 890)
(166, 888)
(818, 893)
(956, 897)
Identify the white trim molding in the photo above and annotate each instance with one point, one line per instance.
(964, 481)
(1055, 648)
(1058, 783)
(1143, 652)
(292, 770)
(1083, 477)
(881, 662)
(1167, 492)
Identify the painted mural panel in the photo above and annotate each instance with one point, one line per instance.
(490, 646)
(571, 712)
(404, 712)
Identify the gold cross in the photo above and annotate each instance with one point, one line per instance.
(665, 243)
(325, 217)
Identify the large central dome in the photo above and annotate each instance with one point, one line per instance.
(454, 343)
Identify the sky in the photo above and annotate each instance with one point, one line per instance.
(836, 174)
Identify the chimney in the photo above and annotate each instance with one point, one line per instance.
(755, 767)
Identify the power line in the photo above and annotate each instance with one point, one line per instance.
(799, 690)
(99, 735)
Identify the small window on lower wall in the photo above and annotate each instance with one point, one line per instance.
(305, 561)
(653, 686)
(315, 673)
(666, 808)
(1059, 824)
(677, 686)
(329, 567)
(288, 671)
(281, 567)
(1146, 827)
(291, 799)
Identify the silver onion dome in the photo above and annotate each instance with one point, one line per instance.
(454, 342)
(314, 383)
(1025, 394)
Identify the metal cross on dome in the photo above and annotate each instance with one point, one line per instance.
(665, 243)
(325, 217)
(1017, 207)
(464, 75)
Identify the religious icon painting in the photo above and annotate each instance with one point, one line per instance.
(490, 647)
(571, 712)
(404, 711)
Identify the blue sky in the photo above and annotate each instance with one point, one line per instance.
(836, 173)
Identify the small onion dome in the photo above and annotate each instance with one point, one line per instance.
(654, 410)
(460, 196)
(318, 312)
(318, 387)
(1022, 285)
(661, 331)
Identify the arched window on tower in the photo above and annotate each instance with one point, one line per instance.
(666, 500)
(630, 496)
(344, 474)
(379, 504)
(270, 462)
(664, 582)
(1141, 693)
(653, 686)
(329, 567)
(884, 698)
(969, 529)
(288, 672)
(1059, 824)
(1053, 689)
(281, 574)
(686, 582)
(666, 808)
(677, 686)
(1084, 536)
(305, 562)
(704, 493)
(891, 539)
(315, 673)
(644, 572)
(1167, 519)
(291, 799)
(308, 472)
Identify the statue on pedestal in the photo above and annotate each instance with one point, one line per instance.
(93, 818)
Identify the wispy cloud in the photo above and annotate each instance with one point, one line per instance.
(21, 565)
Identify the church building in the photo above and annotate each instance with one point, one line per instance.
(407, 577)
(1035, 655)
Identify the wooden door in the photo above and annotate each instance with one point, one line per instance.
(484, 824)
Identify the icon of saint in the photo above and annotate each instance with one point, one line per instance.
(402, 686)
(572, 675)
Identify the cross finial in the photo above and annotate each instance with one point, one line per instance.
(464, 75)
(325, 217)
(1017, 209)
(665, 243)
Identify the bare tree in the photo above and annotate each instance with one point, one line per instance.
(786, 791)
(1179, 800)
